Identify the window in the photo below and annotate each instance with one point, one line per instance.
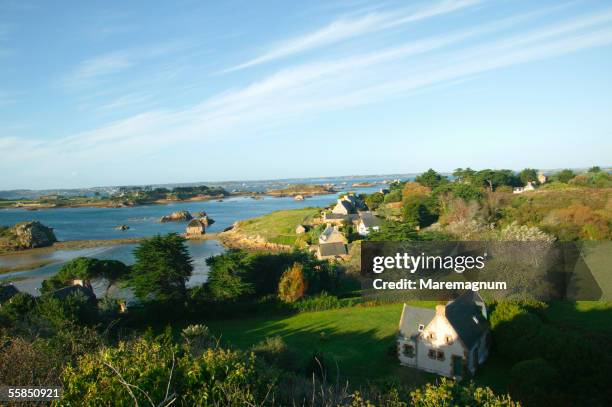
(431, 354)
(421, 327)
(408, 350)
(440, 355)
(449, 339)
(432, 336)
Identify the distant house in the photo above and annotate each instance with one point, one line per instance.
(331, 234)
(7, 291)
(383, 191)
(529, 187)
(65, 292)
(335, 218)
(301, 229)
(299, 197)
(452, 340)
(343, 207)
(195, 227)
(334, 250)
(542, 178)
(332, 244)
(367, 222)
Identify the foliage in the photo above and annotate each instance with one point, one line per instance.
(448, 393)
(75, 308)
(597, 179)
(374, 200)
(292, 285)
(528, 175)
(393, 231)
(163, 266)
(319, 302)
(418, 211)
(523, 233)
(430, 179)
(155, 371)
(462, 190)
(85, 268)
(564, 176)
(274, 351)
(394, 196)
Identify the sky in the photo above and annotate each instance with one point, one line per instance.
(103, 93)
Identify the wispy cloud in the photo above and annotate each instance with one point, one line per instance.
(303, 91)
(347, 28)
(99, 66)
(90, 70)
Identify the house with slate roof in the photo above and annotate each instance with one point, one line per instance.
(452, 340)
(367, 222)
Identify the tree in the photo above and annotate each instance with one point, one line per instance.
(292, 285)
(85, 268)
(595, 169)
(464, 174)
(416, 211)
(394, 232)
(374, 200)
(491, 179)
(564, 175)
(430, 178)
(528, 175)
(225, 276)
(163, 266)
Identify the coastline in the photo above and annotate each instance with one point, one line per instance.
(34, 206)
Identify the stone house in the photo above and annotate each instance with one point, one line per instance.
(195, 228)
(452, 340)
(542, 178)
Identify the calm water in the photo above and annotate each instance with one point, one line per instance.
(99, 223)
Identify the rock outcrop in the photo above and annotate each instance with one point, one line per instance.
(122, 227)
(27, 235)
(178, 216)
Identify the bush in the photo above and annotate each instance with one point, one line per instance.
(534, 380)
(319, 302)
(163, 373)
(449, 393)
(275, 352)
(292, 285)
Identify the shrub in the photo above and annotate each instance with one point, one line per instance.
(447, 393)
(534, 380)
(319, 302)
(275, 352)
(292, 285)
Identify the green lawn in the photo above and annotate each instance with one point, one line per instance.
(358, 339)
(279, 226)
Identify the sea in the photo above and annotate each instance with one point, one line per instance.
(144, 221)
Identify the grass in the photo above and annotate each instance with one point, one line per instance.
(279, 226)
(357, 340)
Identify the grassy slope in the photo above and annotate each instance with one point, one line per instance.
(358, 338)
(279, 226)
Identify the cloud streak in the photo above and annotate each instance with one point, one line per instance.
(344, 28)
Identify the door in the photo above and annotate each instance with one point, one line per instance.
(457, 366)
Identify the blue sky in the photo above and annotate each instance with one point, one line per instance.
(140, 92)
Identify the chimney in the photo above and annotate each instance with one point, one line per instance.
(441, 310)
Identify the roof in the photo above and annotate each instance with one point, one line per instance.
(334, 216)
(63, 293)
(412, 317)
(369, 220)
(346, 204)
(467, 316)
(332, 249)
(7, 291)
(195, 223)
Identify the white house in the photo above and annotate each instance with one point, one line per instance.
(529, 187)
(452, 340)
(367, 222)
